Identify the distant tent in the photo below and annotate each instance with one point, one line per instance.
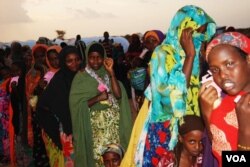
(117, 39)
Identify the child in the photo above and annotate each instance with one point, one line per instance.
(229, 61)
(187, 152)
(112, 155)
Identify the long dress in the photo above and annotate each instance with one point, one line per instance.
(99, 125)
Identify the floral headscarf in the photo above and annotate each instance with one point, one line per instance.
(231, 38)
(171, 99)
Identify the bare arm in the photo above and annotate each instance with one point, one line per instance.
(97, 98)
(187, 44)
(108, 64)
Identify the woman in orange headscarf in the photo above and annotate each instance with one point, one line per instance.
(32, 79)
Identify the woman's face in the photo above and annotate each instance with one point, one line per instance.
(54, 60)
(28, 59)
(151, 43)
(192, 142)
(39, 57)
(111, 159)
(230, 70)
(73, 62)
(95, 60)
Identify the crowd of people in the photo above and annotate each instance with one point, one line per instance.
(95, 105)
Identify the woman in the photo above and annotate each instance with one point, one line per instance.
(32, 79)
(138, 75)
(188, 150)
(174, 81)
(229, 62)
(99, 108)
(52, 61)
(53, 110)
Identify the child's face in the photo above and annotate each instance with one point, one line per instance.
(230, 70)
(111, 159)
(192, 142)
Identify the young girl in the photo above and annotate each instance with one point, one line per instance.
(112, 155)
(229, 61)
(187, 152)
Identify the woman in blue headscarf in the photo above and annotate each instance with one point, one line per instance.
(174, 84)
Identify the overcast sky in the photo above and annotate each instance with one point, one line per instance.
(29, 19)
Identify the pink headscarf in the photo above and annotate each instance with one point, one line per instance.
(58, 50)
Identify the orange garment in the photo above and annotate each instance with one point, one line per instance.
(32, 79)
(11, 134)
(4, 86)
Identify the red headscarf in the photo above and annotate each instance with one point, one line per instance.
(231, 38)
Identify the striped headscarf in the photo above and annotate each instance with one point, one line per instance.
(114, 148)
(171, 99)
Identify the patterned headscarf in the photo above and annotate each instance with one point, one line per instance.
(231, 38)
(171, 99)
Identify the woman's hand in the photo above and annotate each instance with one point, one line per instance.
(186, 41)
(207, 96)
(108, 65)
(102, 96)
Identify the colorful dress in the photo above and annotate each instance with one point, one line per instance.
(170, 98)
(4, 123)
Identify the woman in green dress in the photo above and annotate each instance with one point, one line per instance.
(99, 108)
